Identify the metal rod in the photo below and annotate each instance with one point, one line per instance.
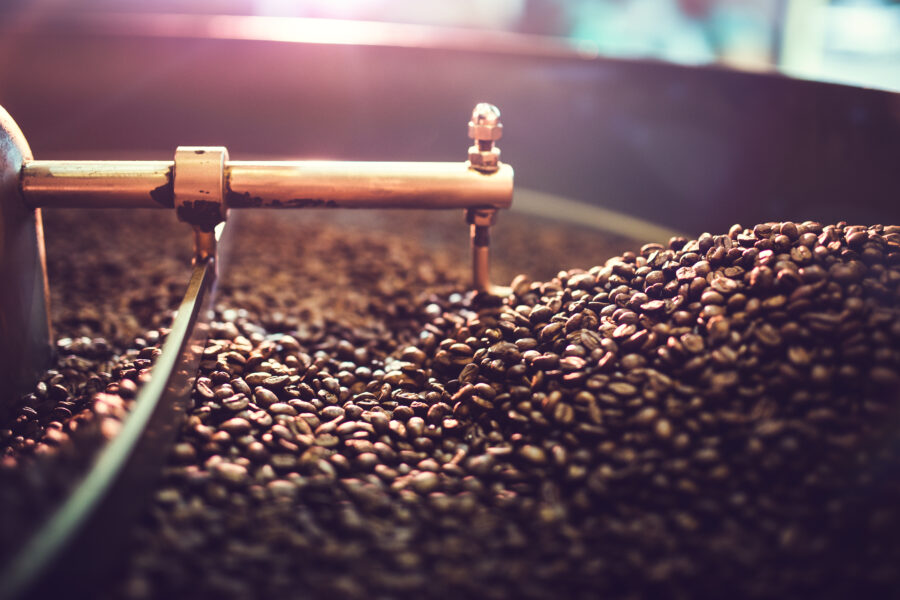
(480, 236)
(97, 184)
(426, 185)
(329, 184)
(204, 245)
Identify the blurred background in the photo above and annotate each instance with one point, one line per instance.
(687, 114)
(847, 41)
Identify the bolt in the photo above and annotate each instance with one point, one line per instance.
(485, 128)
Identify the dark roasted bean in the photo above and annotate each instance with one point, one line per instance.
(264, 397)
(236, 426)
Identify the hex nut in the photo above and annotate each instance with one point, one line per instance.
(485, 132)
(482, 217)
(485, 123)
(484, 159)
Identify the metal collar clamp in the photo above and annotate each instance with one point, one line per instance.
(199, 190)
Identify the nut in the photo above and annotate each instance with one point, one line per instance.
(482, 217)
(490, 133)
(485, 124)
(484, 159)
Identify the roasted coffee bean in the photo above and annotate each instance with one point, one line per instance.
(230, 473)
(236, 403)
(264, 397)
(236, 426)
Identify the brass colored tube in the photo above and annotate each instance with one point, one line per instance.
(302, 184)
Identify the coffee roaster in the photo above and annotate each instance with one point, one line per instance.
(641, 148)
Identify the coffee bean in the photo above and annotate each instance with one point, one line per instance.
(275, 382)
(230, 473)
(282, 408)
(255, 379)
(264, 397)
(533, 454)
(402, 413)
(236, 426)
(236, 403)
(692, 343)
(425, 482)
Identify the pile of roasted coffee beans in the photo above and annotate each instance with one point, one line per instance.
(115, 277)
(716, 417)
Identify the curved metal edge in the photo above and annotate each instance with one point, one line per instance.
(83, 538)
(25, 334)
